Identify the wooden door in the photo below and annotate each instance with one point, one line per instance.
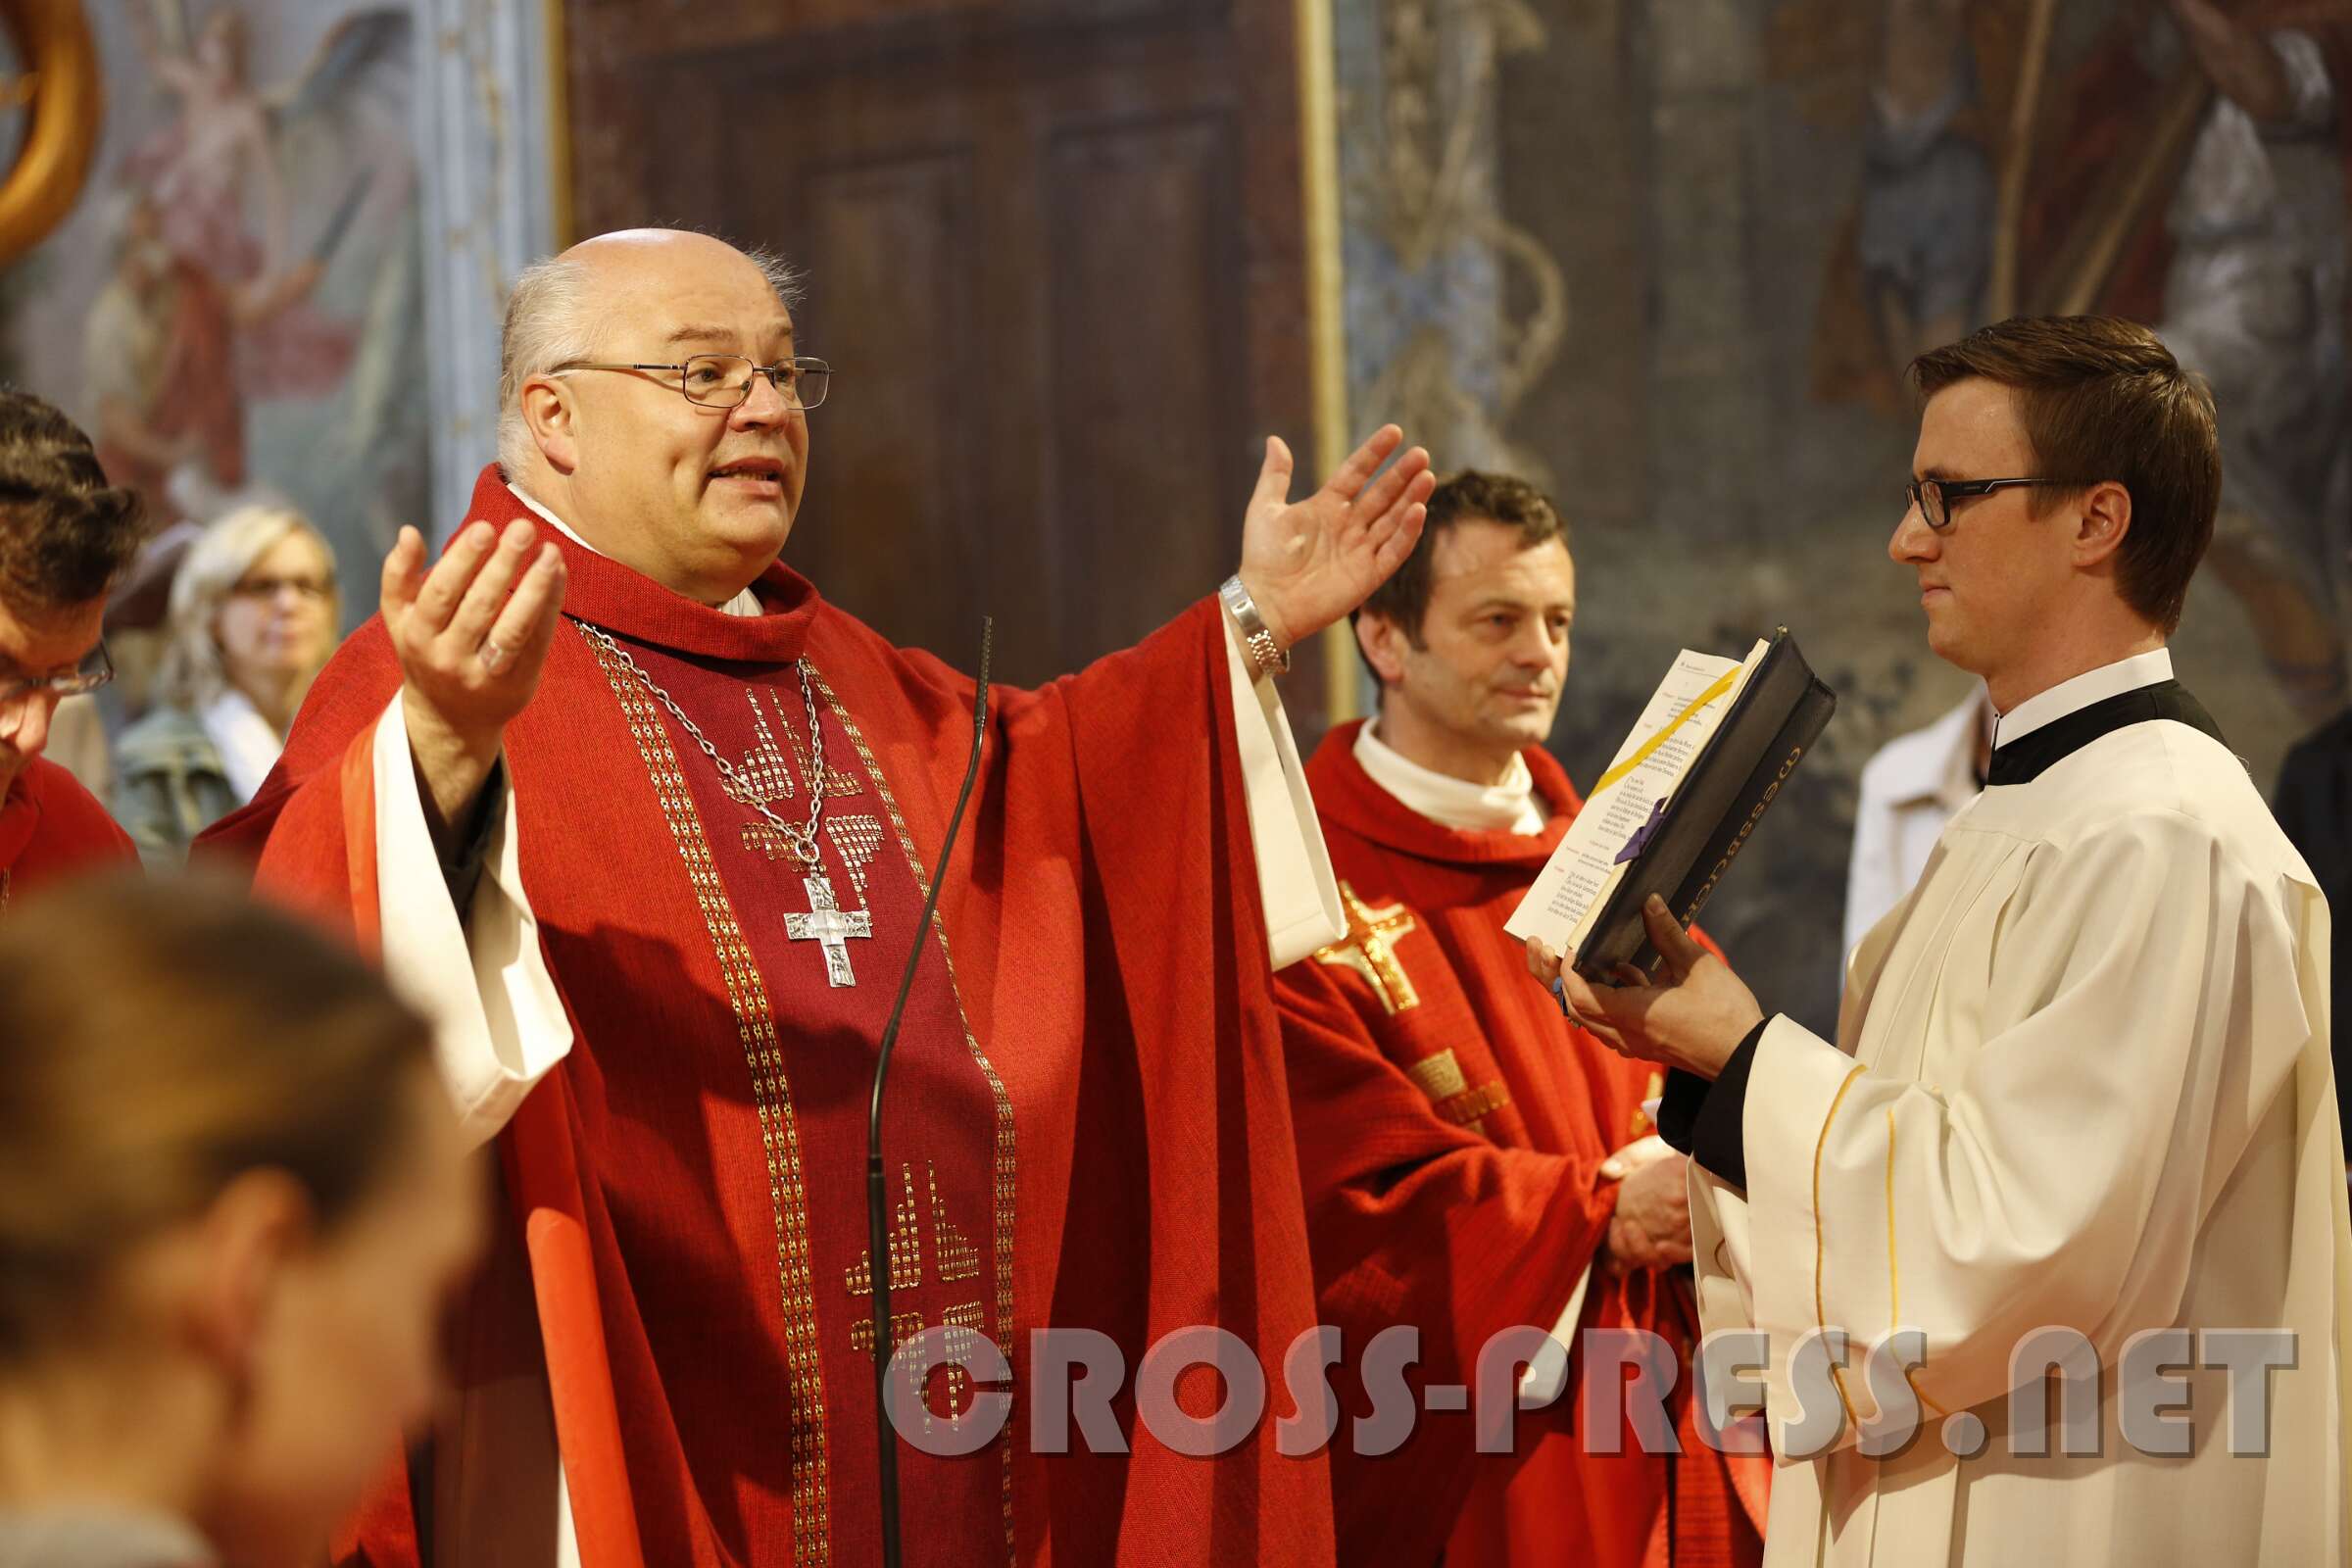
(1055, 253)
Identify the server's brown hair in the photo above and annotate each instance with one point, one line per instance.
(2102, 398)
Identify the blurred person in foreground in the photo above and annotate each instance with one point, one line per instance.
(65, 536)
(233, 1202)
(253, 613)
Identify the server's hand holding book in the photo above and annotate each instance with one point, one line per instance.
(1715, 744)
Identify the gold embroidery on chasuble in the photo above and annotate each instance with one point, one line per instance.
(771, 1092)
(1370, 949)
(906, 1235)
(1442, 1079)
(966, 1325)
(854, 837)
(1004, 1165)
(762, 777)
(954, 1257)
(958, 1257)
(854, 840)
(765, 841)
(903, 1326)
(839, 781)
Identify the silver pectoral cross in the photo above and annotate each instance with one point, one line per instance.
(830, 926)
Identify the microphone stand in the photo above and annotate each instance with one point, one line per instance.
(877, 1203)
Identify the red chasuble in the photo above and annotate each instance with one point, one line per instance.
(1088, 1124)
(50, 826)
(1452, 1125)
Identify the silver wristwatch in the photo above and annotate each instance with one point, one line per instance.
(1264, 657)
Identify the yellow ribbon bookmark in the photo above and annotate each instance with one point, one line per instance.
(1723, 683)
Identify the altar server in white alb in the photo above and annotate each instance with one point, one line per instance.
(2081, 1081)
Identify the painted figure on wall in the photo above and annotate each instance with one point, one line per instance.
(2175, 160)
(2218, 215)
(226, 238)
(157, 364)
(1928, 194)
(1913, 265)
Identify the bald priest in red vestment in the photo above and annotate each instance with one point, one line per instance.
(624, 740)
(1472, 1162)
(64, 536)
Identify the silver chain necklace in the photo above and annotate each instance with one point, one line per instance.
(826, 923)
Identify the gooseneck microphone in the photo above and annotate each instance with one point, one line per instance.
(876, 1201)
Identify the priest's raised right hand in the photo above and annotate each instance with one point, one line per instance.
(472, 635)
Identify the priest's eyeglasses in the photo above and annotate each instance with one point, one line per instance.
(724, 380)
(18, 692)
(1935, 497)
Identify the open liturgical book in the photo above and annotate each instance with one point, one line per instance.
(1717, 740)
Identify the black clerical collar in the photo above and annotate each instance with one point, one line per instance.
(2024, 759)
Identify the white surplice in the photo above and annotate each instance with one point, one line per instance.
(2083, 1080)
(1909, 789)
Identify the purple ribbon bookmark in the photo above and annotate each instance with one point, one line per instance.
(1640, 839)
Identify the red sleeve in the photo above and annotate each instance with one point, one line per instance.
(1167, 833)
(1417, 1221)
(75, 833)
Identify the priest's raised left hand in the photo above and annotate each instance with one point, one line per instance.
(1308, 562)
(1694, 1021)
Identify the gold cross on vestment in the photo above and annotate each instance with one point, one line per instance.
(1370, 949)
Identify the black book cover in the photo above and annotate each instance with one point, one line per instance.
(1775, 720)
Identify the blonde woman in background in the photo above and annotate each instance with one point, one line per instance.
(254, 614)
(235, 1200)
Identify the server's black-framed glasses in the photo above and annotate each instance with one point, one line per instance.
(724, 380)
(1935, 497)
